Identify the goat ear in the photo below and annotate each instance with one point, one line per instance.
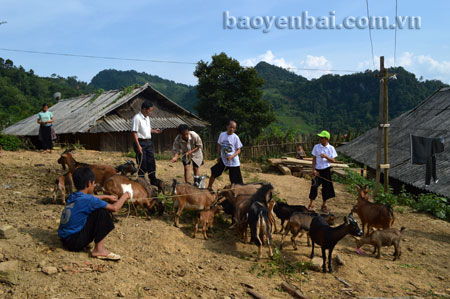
(345, 219)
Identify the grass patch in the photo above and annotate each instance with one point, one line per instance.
(425, 202)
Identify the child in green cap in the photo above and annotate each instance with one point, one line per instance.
(323, 154)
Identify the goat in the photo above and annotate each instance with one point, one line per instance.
(235, 193)
(373, 214)
(327, 237)
(285, 211)
(62, 183)
(385, 237)
(127, 167)
(300, 222)
(142, 192)
(200, 181)
(258, 219)
(243, 206)
(190, 198)
(207, 219)
(101, 172)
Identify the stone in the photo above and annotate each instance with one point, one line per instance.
(120, 294)
(7, 232)
(49, 270)
(339, 260)
(316, 263)
(9, 271)
(2, 257)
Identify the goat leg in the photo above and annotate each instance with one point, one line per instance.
(205, 228)
(177, 215)
(308, 239)
(379, 250)
(294, 235)
(330, 254)
(195, 227)
(324, 258)
(312, 250)
(282, 239)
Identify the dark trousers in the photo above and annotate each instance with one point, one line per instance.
(98, 225)
(148, 164)
(233, 172)
(46, 137)
(323, 179)
(430, 169)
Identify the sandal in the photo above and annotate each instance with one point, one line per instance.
(325, 210)
(311, 207)
(110, 257)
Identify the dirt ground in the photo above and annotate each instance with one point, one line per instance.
(162, 261)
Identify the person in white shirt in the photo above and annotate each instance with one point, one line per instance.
(142, 137)
(228, 150)
(323, 154)
(190, 145)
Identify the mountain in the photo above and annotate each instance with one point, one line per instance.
(22, 93)
(338, 103)
(182, 94)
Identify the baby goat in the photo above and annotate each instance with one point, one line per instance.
(385, 237)
(327, 237)
(207, 219)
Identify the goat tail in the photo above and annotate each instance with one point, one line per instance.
(174, 185)
(402, 229)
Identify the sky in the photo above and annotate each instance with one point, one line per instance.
(189, 31)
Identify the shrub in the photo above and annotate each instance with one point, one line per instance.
(10, 142)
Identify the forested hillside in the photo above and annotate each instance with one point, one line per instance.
(337, 102)
(332, 102)
(183, 94)
(22, 93)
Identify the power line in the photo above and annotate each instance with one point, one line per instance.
(97, 57)
(322, 70)
(370, 33)
(151, 60)
(395, 38)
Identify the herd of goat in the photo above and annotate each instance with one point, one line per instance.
(250, 205)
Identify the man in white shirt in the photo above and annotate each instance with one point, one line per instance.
(142, 137)
(228, 150)
(323, 154)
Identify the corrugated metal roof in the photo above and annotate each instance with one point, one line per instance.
(429, 119)
(89, 114)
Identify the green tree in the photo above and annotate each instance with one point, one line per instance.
(226, 90)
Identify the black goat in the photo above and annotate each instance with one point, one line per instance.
(127, 167)
(285, 211)
(327, 237)
(258, 219)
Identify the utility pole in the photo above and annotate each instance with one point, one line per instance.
(383, 126)
(380, 121)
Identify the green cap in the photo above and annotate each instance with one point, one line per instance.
(324, 134)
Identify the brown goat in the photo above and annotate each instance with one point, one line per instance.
(299, 223)
(101, 172)
(142, 192)
(373, 215)
(62, 183)
(207, 220)
(190, 198)
(242, 206)
(385, 237)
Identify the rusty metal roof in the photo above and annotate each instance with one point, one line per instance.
(110, 111)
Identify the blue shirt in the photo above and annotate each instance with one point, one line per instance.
(78, 207)
(45, 116)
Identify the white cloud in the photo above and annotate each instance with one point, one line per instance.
(270, 58)
(421, 65)
(309, 62)
(314, 62)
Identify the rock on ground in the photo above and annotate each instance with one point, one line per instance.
(9, 271)
(7, 232)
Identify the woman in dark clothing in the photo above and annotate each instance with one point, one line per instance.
(45, 120)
